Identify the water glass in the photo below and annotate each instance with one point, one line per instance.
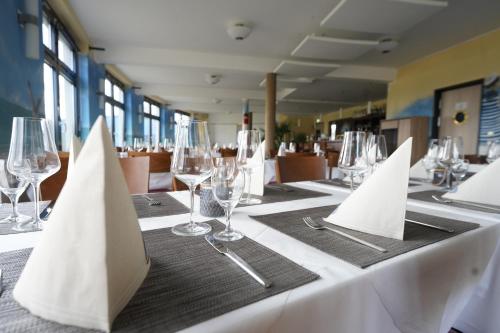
(353, 156)
(138, 144)
(430, 160)
(228, 183)
(493, 151)
(250, 157)
(459, 170)
(12, 186)
(377, 150)
(451, 152)
(33, 158)
(192, 164)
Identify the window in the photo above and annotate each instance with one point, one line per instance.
(60, 79)
(151, 121)
(114, 109)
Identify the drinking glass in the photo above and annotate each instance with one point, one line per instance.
(192, 164)
(451, 152)
(33, 158)
(493, 151)
(138, 144)
(352, 159)
(459, 170)
(12, 186)
(228, 183)
(377, 150)
(430, 160)
(249, 157)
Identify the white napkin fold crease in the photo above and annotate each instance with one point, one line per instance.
(256, 187)
(74, 150)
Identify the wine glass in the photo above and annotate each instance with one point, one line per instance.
(138, 144)
(192, 164)
(450, 153)
(493, 151)
(228, 183)
(352, 159)
(12, 186)
(430, 160)
(33, 158)
(459, 170)
(250, 157)
(377, 150)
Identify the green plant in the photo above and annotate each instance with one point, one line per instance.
(280, 132)
(300, 138)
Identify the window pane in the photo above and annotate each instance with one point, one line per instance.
(147, 133)
(108, 109)
(155, 110)
(118, 94)
(66, 111)
(49, 96)
(47, 33)
(65, 52)
(119, 126)
(155, 135)
(146, 107)
(107, 88)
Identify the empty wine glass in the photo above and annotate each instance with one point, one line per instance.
(32, 157)
(430, 160)
(493, 151)
(450, 153)
(250, 157)
(377, 150)
(459, 170)
(192, 164)
(12, 186)
(352, 159)
(138, 144)
(228, 183)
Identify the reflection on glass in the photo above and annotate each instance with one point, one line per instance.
(65, 52)
(66, 111)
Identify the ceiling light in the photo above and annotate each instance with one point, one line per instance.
(216, 100)
(212, 78)
(386, 45)
(238, 31)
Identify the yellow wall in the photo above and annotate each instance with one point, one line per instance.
(471, 60)
(306, 123)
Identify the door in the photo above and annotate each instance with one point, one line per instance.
(459, 115)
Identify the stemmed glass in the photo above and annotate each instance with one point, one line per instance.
(459, 170)
(250, 157)
(377, 150)
(33, 158)
(138, 144)
(192, 164)
(430, 160)
(353, 160)
(493, 151)
(228, 182)
(450, 154)
(12, 187)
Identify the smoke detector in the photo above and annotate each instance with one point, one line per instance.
(386, 45)
(212, 78)
(238, 31)
(216, 100)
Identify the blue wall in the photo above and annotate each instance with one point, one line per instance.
(133, 117)
(167, 126)
(15, 71)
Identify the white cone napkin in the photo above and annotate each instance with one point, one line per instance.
(378, 206)
(74, 150)
(418, 170)
(90, 259)
(483, 187)
(256, 187)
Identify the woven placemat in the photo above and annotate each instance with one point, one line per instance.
(168, 205)
(415, 236)
(25, 208)
(344, 184)
(427, 197)
(281, 192)
(189, 282)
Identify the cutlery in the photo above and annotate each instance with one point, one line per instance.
(151, 201)
(280, 188)
(319, 226)
(431, 226)
(44, 215)
(221, 248)
(449, 201)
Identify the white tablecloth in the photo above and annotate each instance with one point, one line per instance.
(421, 291)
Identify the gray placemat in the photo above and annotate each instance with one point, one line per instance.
(427, 197)
(343, 184)
(281, 192)
(25, 208)
(189, 282)
(169, 205)
(415, 236)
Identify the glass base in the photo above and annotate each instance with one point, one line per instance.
(188, 229)
(250, 201)
(228, 236)
(18, 219)
(28, 226)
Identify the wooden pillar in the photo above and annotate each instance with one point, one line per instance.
(270, 113)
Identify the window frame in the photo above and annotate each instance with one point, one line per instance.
(152, 117)
(51, 58)
(115, 103)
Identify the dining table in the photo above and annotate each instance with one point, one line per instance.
(428, 289)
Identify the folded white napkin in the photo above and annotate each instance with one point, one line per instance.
(483, 187)
(74, 150)
(282, 149)
(378, 206)
(418, 170)
(90, 259)
(256, 187)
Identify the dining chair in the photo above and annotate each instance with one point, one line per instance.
(300, 168)
(158, 162)
(52, 186)
(228, 152)
(299, 154)
(332, 158)
(136, 172)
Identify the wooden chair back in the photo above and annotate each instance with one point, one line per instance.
(52, 186)
(332, 158)
(158, 162)
(228, 152)
(299, 154)
(136, 172)
(300, 168)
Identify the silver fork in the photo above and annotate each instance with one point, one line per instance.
(151, 201)
(449, 201)
(319, 226)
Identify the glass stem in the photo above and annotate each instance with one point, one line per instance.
(14, 199)
(352, 181)
(36, 189)
(448, 178)
(249, 186)
(191, 207)
(228, 220)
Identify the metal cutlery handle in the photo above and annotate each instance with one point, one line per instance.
(431, 225)
(247, 268)
(373, 246)
(473, 204)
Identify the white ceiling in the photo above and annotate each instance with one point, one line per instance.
(167, 47)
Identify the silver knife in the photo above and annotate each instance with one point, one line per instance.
(44, 215)
(221, 248)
